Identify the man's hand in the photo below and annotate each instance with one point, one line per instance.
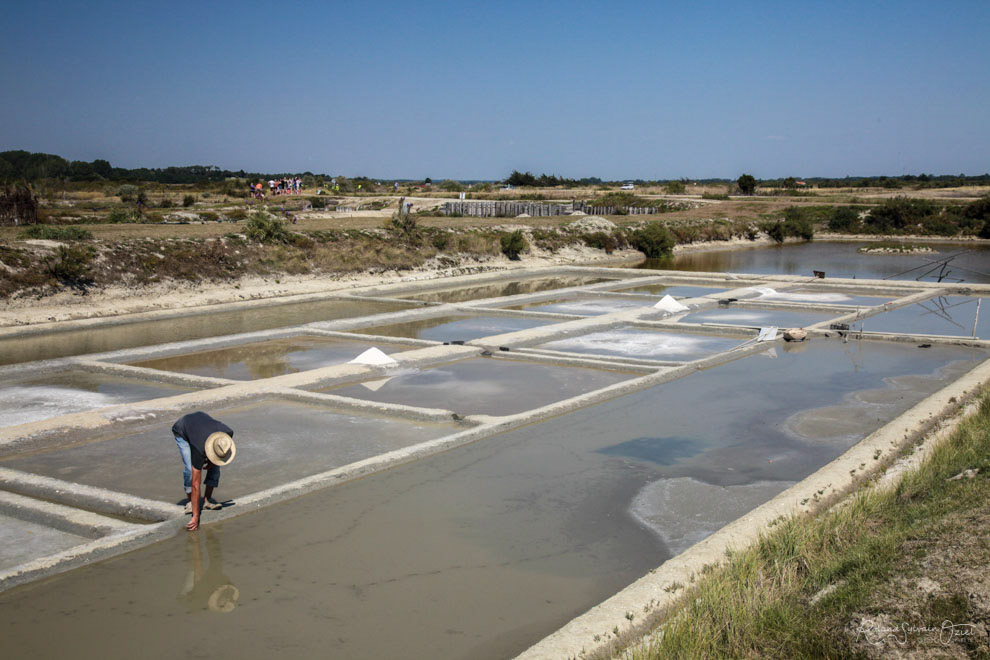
(197, 475)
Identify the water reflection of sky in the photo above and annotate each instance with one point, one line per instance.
(838, 260)
(943, 315)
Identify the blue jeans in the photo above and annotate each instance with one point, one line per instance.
(212, 472)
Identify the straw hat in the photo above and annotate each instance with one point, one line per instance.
(220, 448)
(224, 598)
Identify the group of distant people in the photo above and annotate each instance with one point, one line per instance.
(287, 186)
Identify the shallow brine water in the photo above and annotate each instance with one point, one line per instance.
(277, 442)
(645, 344)
(839, 260)
(61, 394)
(756, 318)
(482, 550)
(500, 289)
(198, 326)
(675, 290)
(818, 295)
(943, 315)
(483, 386)
(267, 359)
(587, 305)
(454, 328)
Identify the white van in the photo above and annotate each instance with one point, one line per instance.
(628, 186)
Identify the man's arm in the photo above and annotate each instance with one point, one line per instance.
(197, 476)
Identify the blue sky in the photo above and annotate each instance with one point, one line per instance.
(473, 90)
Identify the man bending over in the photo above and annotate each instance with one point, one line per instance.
(204, 444)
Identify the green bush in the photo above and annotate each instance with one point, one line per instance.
(127, 193)
(68, 265)
(775, 230)
(402, 223)
(51, 233)
(601, 240)
(188, 201)
(900, 213)
(675, 188)
(141, 198)
(209, 216)
(318, 202)
(844, 219)
(985, 232)
(654, 240)
(118, 216)
(236, 214)
(265, 228)
(514, 244)
(166, 203)
(798, 223)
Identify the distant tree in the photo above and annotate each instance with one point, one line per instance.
(518, 178)
(427, 180)
(747, 184)
(790, 182)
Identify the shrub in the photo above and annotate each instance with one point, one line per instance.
(209, 216)
(318, 202)
(236, 214)
(985, 232)
(899, 213)
(265, 228)
(402, 223)
(118, 216)
(514, 244)
(51, 233)
(166, 203)
(68, 265)
(844, 219)
(141, 198)
(978, 210)
(775, 230)
(601, 240)
(675, 188)
(127, 193)
(747, 184)
(654, 240)
(721, 196)
(451, 186)
(188, 201)
(797, 223)
(440, 241)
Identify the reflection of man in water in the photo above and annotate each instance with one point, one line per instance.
(204, 443)
(206, 586)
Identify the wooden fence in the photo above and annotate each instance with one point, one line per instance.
(535, 209)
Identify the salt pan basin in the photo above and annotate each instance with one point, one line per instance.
(945, 315)
(24, 540)
(71, 392)
(484, 386)
(757, 318)
(499, 289)
(454, 328)
(266, 359)
(586, 305)
(480, 551)
(645, 344)
(825, 297)
(277, 442)
(122, 334)
(675, 290)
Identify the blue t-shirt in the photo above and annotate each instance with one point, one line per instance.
(195, 428)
